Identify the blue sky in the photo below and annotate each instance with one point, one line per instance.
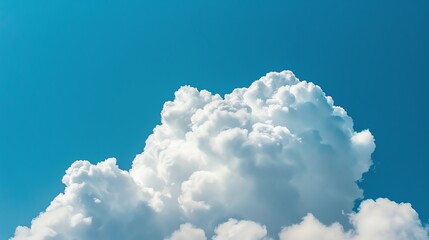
(87, 80)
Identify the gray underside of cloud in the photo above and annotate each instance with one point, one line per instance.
(276, 157)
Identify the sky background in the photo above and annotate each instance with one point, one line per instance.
(88, 79)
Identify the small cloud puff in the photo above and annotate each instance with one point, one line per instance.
(376, 220)
(268, 155)
(186, 232)
(245, 230)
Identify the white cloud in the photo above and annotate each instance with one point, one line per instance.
(186, 232)
(281, 143)
(270, 154)
(243, 230)
(99, 200)
(376, 220)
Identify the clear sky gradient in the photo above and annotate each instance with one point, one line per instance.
(87, 80)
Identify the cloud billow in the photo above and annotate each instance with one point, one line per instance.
(274, 159)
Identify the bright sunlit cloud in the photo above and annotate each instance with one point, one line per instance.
(275, 160)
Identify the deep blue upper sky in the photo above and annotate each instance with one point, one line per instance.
(87, 80)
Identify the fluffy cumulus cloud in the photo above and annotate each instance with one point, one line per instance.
(376, 220)
(244, 230)
(243, 166)
(187, 231)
